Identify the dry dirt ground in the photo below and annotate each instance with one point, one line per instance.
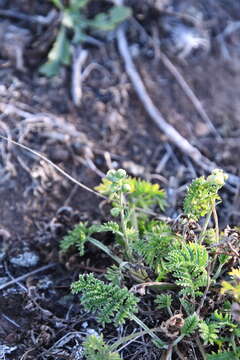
(110, 129)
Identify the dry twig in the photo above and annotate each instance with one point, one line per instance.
(156, 115)
(189, 93)
(54, 166)
(79, 58)
(153, 111)
(43, 20)
(23, 277)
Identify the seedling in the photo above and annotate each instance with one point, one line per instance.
(74, 28)
(182, 275)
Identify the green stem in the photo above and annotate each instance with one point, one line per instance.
(118, 260)
(216, 221)
(233, 344)
(205, 225)
(105, 249)
(178, 340)
(124, 228)
(169, 311)
(218, 271)
(134, 219)
(125, 339)
(201, 348)
(150, 332)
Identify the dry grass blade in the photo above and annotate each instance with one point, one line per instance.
(54, 166)
(23, 277)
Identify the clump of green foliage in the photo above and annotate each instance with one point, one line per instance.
(110, 302)
(203, 193)
(96, 349)
(74, 27)
(232, 287)
(183, 274)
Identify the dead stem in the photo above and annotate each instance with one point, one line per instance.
(201, 348)
(23, 277)
(79, 58)
(54, 166)
(182, 143)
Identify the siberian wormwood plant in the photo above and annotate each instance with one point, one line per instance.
(74, 28)
(180, 264)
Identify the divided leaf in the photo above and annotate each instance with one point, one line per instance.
(163, 301)
(202, 193)
(209, 332)
(190, 324)
(110, 302)
(188, 265)
(59, 54)
(76, 237)
(96, 349)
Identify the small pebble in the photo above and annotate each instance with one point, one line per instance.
(92, 332)
(45, 283)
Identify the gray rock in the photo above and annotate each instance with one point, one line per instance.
(26, 259)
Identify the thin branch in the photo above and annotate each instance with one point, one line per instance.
(152, 110)
(156, 115)
(189, 93)
(44, 20)
(54, 166)
(79, 58)
(201, 348)
(23, 277)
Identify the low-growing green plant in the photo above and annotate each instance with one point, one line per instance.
(110, 302)
(232, 287)
(74, 26)
(96, 349)
(183, 274)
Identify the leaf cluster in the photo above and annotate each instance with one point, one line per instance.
(140, 193)
(188, 265)
(73, 30)
(183, 274)
(96, 349)
(156, 242)
(202, 193)
(163, 301)
(232, 287)
(110, 302)
(76, 237)
(190, 324)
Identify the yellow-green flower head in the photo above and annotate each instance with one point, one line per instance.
(202, 192)
(217, 177)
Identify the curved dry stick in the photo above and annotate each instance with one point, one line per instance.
(189, 93)
(156, 115)
(54, 166)
(151, 109)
